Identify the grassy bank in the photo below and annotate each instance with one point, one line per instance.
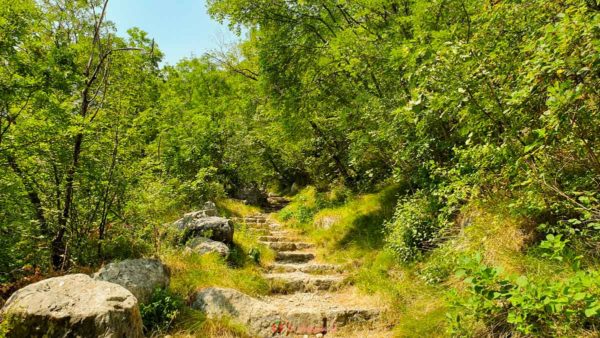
(191, 272)
(427, 297)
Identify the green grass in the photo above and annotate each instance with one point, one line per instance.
(351, 233)
(193, 323)
(229, 207)
(416, 308)
(191, 272)
(348, 230)
(343, 231)
(355, 238)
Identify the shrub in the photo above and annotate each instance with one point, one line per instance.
(532, 307)
(415, 227)
(162, 310)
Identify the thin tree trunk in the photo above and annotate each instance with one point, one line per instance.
(348, 179)
(32, 194)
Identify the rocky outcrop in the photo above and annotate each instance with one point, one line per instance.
(140, 276)
(72, 306)
(222, 302)
(198, 224)
(201, 245)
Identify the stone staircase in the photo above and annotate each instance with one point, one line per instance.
(309, 294)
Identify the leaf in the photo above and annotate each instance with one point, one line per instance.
(522, 281)
(591, 312)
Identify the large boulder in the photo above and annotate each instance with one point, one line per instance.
(72, 306)
(222, 302)
(198, 224)
(203, 246)
(140, 276)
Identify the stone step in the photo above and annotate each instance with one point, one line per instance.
(254, 220)
(311, 268)
(293, 315)
(258, 226)
(288, 246)
(280, 233)
(277, 239)
(294, 256)
(291, 282)
(260, 232)
(311, 313)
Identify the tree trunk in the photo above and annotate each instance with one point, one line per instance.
(32, 194)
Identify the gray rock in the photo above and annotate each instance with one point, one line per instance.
(198, 224)
(72, 306)
(297, 281)
(292, 314)
(203, 246)
(294, 256)
(222, 302)
(210, 209)
(140, 276)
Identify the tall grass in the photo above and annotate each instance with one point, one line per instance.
(191, 272)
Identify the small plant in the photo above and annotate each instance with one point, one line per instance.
(286, 214)
(160, 313)
(254, 255)
(553, 247)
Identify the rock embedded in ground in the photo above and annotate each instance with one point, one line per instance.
(326, 222)
(197, 224)
(327, 311)
(222, 302)
(277, 239)
(72, 306)
(313, 268)
(201, 245)
(294, 256)
(290, 282)
(288, 246)
(140, 276)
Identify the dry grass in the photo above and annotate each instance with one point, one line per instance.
(500, 237)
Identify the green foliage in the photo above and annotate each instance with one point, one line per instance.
(254, 255)
(553, 247)
(416, 227)
(541, 307)
(160, 313)
(454, 101)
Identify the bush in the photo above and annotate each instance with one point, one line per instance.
(508, 305)
(162, 310)
(415, 227)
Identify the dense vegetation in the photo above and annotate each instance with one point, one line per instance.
(455, 111)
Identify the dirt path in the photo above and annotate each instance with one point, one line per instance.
(314, 297)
